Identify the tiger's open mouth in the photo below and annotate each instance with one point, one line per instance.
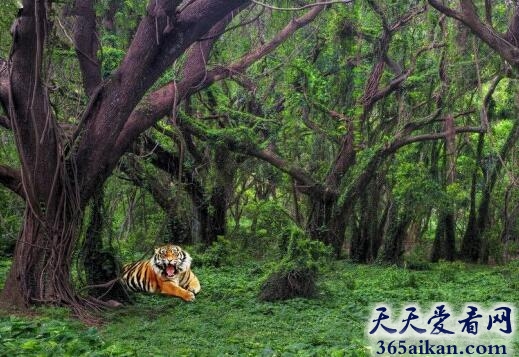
(170, 270)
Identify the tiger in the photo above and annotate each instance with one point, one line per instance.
(167, 272)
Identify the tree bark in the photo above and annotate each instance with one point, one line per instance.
(87, 44)
(41, 264)
(221, 194)
(367, 237)
(393, 246)
(471, 242)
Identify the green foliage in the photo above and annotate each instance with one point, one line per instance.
(418, 259)
(510, 273)
(49, 337)
(223, 252)
(414, 186)
(303, 252)
(493, 243)
(449, 270)
(11, 216)
(9, 235)
(294, 275)
(134, 224)
(8, 10)
(227, 319)
(226, 136)
(322, 69)
(265, 231)
(4, 268)
(499, 135)
(111, 58)
(316, 82)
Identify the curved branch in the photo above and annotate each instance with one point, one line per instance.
(512, 33)
(321, 3)
(5, 122)
(438, 5)
(362, 181)
(306, 183)
(159, 103)
(469, 17)
(11, 179)
(161, 38)
(158, 190)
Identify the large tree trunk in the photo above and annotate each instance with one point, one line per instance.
(326, 224)
(444, 246)
(367, 235)
(393, 248)
(41, 264)
(220, 194)
(471, 242)
(479, 219)
(58, 179)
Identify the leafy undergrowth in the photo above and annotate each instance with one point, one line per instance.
(228, 319)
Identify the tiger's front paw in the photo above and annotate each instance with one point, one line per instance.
(189, 296)
(194, 290)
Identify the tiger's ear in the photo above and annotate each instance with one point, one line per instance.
(157, 250)
(186, 262)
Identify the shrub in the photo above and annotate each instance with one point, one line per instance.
(283, 285)
(220, 253)
(295, 274)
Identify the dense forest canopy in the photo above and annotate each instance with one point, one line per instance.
(386, 130)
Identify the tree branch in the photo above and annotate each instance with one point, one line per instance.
(87, 44)
(396, 82)
(243, 63)
(407, 17)
(4, 84)
(5, 122)
(306, 183)
(11, 179)
(399, 143)
(468, 16)
(362, 181)
(512, 33)
(158, 190)
(321, 3)
(159, 103)
(161, 38)
(171, 164)
(164, 100)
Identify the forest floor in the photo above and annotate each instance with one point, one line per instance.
(228, 319)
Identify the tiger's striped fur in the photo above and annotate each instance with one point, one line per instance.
(167, 272)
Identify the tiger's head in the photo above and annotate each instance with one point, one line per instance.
(170, 260)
